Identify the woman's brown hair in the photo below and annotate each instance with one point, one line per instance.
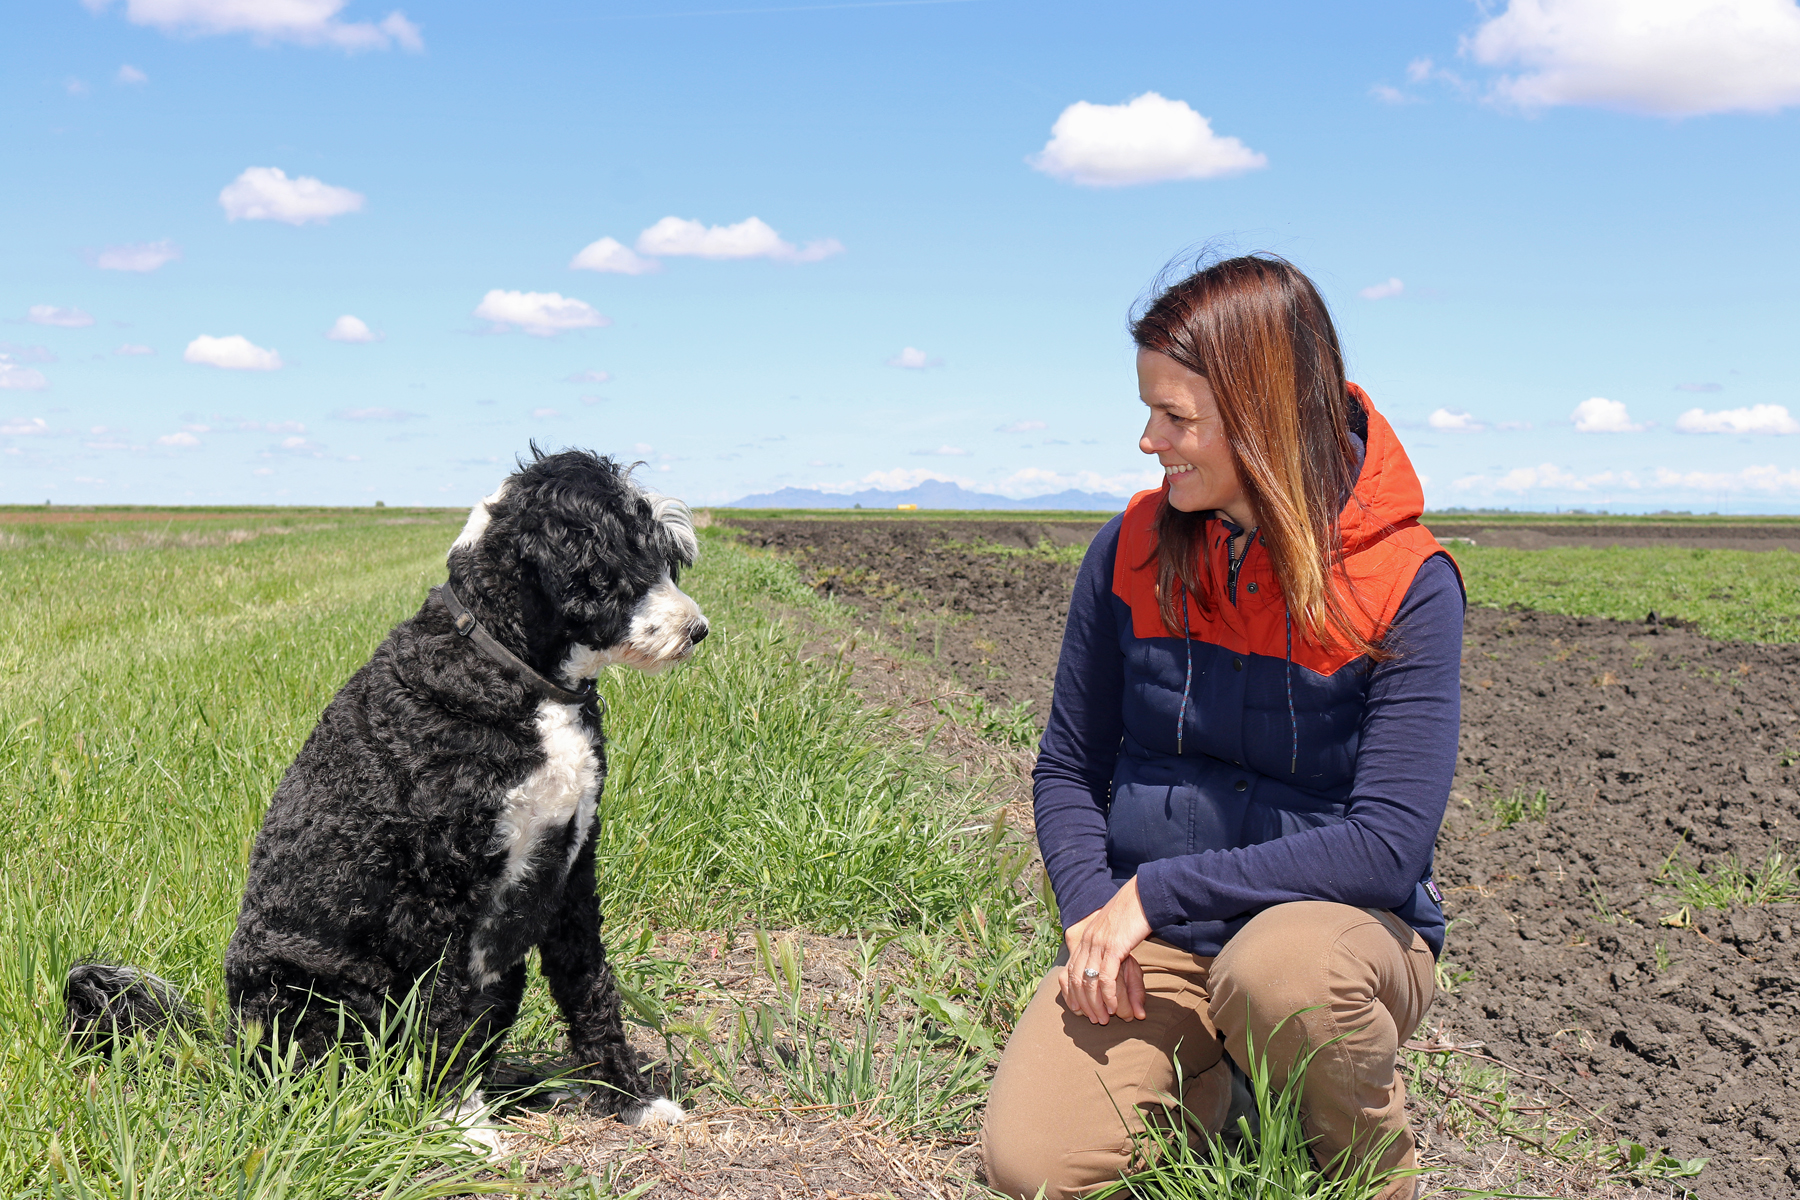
(1260, 333)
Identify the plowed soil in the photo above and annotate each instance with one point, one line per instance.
(1655, 746)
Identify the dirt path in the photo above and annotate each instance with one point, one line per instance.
(1646, 740)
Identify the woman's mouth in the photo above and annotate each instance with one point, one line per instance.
(1173, 469)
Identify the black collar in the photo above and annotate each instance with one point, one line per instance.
(469, 627)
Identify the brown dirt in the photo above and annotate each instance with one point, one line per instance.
(1648, 740)
(1736, 535)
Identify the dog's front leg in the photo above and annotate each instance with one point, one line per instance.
(574, 964)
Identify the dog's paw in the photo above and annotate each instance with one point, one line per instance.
(658, 1110)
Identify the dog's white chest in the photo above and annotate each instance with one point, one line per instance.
(561, 791)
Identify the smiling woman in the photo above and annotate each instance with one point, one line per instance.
(1277, 607)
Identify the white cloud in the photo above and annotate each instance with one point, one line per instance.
(946, 452)
(609, 255)
(1758, 418)
(1146, 140)
(137, 256)
(593, 400)
(1599, 415)
(591, 375)
(184, 438)
(1766, 479)
(263, 471)
(351, 329)
(129, 349)
(1546, 477)
(1021, 427)
(1383, 291)
(233, 353)
(1453, 421)
(897, 480)
(676, 237)
(75, 87)
(17, 378)
(303, 22)
(267, 194)
(375, 414)
(1388, 94)
(540, 314)
(1670, 58)
(66, 318)
(130, 74)
(545, 412)
(22, 426)
(913, 359)
(1038, 481)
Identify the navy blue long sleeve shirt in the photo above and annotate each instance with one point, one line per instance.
(1374, 858)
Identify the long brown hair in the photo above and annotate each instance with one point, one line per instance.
(1260, 333)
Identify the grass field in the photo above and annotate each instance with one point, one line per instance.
(158, 679)
(157, 676)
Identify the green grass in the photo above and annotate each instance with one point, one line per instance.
(1734, 594)
(1521, 805)
(1730, 882)
(151, 694)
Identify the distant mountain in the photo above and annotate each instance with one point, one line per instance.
(932, 493)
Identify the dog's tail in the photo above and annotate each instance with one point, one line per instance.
(107, 1003)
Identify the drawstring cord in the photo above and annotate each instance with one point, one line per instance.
(1188, 682)
(1287, 615)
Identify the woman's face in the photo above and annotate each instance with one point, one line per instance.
(1187, 437)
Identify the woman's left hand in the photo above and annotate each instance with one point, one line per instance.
(1103, 941)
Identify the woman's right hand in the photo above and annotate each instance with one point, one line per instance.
(1102, 942)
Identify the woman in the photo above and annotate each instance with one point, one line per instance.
(1247, 757)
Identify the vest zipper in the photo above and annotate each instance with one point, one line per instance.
(1236, 564)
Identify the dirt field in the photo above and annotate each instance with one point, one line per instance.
(1651, 744)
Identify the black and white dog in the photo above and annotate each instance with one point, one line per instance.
(440, 820)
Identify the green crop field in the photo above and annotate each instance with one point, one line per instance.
(159, 671)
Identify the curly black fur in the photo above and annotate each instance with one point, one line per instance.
(386, 860)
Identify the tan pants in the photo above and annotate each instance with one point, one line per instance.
(1064, 1105)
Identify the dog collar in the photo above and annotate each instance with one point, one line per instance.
(469, 627)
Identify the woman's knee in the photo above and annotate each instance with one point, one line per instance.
(1021, 1165)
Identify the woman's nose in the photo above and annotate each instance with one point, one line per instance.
(1150, 443)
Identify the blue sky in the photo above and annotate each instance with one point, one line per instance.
(1560, 247)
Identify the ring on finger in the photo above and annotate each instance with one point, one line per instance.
(1091, 974)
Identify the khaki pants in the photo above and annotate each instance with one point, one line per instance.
(1064, 1105)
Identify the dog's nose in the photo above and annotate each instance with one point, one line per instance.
(696, 632)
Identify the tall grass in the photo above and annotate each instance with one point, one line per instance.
(151, 696)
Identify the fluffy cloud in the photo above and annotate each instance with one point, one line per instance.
(15, 377)
(1758, 418)
(897, 480)
(130, 349)
(609, 255)
(303, 22)
(1021, 427)
(1599, 415)
(137, 256)
(1383, 291)
(351, 329)
(130, 74)
(540, 314)
(27, 354)
(1768, 480)
(1546, 477)
(22, 426)
(676, 237)
(233, 353)
(913, 359)
(1454, 421)
(591, 375)
(1146, 140)
(267, 194)
(66, 318)
(184, 438)
(1669, 58)
(1037, 481)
